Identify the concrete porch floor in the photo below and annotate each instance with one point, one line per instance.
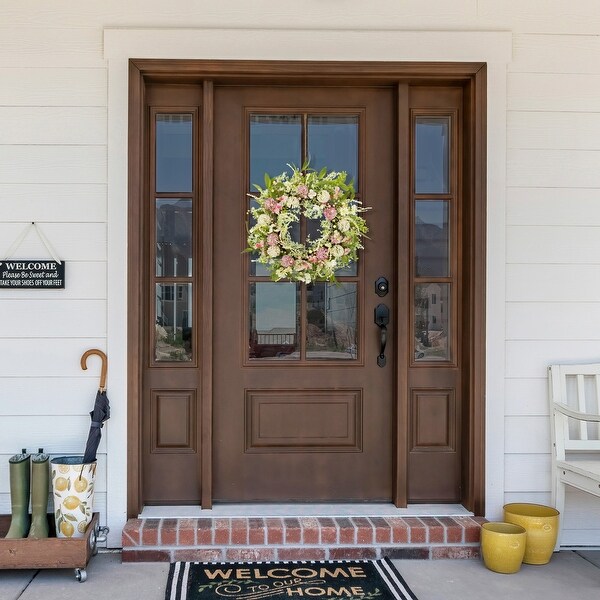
(570, 574)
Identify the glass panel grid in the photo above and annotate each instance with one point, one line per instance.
(432, 152)
(174, 150)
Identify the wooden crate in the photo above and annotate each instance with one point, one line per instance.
(48, 553)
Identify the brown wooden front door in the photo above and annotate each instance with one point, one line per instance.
(302, 412)
(258, 391)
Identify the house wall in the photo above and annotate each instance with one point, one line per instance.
(57, 140)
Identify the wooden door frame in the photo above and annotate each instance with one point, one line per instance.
(472, 76)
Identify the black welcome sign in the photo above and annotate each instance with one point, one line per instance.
(32, 274)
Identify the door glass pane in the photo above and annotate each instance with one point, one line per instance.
(333, 143)
(274, 321)
(431, 158)
(275, 142)
(331, 316)
(173, 328)
(173, 237)
(431, 238)
(432, 314)
(174, 153)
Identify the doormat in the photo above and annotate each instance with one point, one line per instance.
(346, 580)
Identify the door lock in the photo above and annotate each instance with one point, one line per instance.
(382, 287)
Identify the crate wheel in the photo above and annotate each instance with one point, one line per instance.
(80, 575)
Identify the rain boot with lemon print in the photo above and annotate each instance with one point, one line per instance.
(19, 466)
(40, 480)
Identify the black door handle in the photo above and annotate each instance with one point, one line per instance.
(382, 318)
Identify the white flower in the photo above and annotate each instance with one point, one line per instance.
(293, 202)
(263, 220)
(336, 251)
(273, 251)
(323, 197)
(343, 225)
(312, 194)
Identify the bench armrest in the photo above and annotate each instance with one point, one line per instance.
(575, 414)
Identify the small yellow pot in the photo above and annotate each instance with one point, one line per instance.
(503, 546)
(541, 524)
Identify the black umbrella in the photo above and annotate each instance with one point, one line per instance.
(101, 411)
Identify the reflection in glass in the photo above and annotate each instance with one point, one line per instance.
(333, 143)
(275, 142)
(431, 160)
(173, 237)
(174, 153)
(173, 328)
(274, 321)
(431, 238)
(432, 314)
(331, 316)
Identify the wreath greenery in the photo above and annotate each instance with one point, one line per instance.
(323, 196)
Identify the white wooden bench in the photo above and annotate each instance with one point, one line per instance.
(575, 419)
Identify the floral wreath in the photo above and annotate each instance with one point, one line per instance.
(315, 195)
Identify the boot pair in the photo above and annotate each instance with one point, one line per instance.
(29, 472)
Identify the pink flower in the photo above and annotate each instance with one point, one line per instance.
(259, 245)
(336, 192)
(329, 212)
(313, 259)
(272, 239)
(302, 265)
(336, 238)
(302, 191)
(322, 254)
(273, 205)
(287, 261)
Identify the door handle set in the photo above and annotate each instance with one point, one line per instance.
(382, 319)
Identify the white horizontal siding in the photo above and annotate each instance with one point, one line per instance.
(555, 282)
(52, 164)
(54, 318)
(52, 86)
(546, 53)
(71, 241)
(553, 130)
(550, 92)
(553, 321)
(44, 358)
(553, 168)
(54, 125)
(527, 435)
(53, 47)
(542, 16)
(531, 358)
(528, 244)
(378, 14)
(56, 433)
(527, 397)
(37, 395)
(53, 202)
(527, 473)
(567, 207)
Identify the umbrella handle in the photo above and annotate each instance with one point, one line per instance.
(104, 358)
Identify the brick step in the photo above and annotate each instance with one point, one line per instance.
(304, 538)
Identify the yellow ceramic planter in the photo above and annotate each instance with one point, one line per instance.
(541, 524)
(503, 546)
